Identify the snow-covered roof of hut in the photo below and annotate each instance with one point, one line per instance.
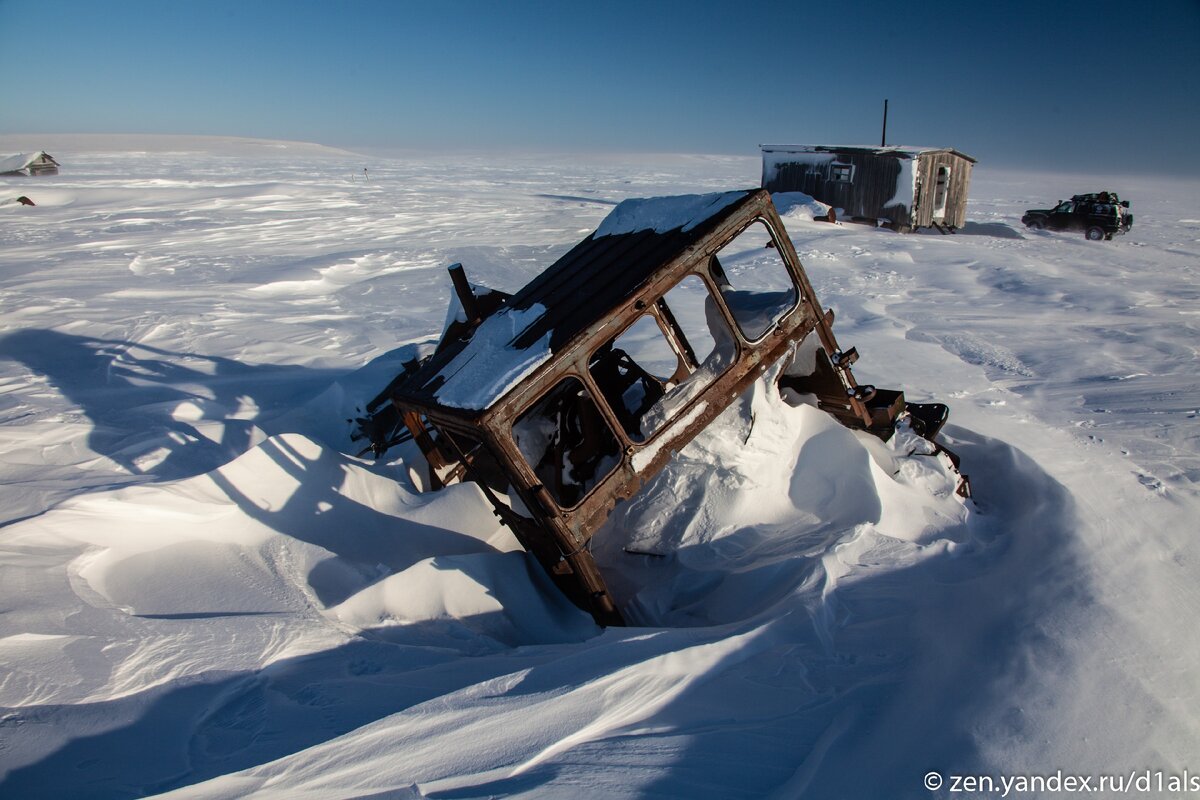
(901, 150)
(570, 296)
(20, 161)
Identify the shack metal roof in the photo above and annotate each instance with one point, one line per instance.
(570, 297)
(20, 161)
(903, 151)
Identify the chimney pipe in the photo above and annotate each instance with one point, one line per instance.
(883, 142)
(465, 295)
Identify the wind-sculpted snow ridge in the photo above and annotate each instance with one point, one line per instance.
(784, 510)
(168, 598)
(205, 596)
(230, 598)
(786, 605)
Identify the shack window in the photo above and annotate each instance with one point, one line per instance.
(652, 369)
(842, 172)
(754, 281)
(566, 442)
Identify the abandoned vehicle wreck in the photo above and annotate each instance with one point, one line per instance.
(562, 399)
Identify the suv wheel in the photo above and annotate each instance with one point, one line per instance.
(1095, 233)
(1036, 224)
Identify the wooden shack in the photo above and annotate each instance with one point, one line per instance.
(900, 187)
(39, 163)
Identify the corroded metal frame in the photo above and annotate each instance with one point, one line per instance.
(558, 537)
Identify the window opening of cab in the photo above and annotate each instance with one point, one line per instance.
(754, 281)
(475, 456)
(652, 369)
(567, 442)
(485, 467)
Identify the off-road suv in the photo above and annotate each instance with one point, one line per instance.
(1098, 215)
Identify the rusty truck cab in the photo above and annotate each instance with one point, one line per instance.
(563, 399)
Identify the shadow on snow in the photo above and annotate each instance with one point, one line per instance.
(856, 692)
(160, 413)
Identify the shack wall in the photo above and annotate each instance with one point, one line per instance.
(43, 165)
(957, 190)
(879, 185)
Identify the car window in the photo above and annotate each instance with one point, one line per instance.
(653, 369)
(754, 281)
(567, 443)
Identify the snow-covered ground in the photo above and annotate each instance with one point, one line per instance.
(205, 594)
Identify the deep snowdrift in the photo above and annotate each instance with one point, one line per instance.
(204, 591)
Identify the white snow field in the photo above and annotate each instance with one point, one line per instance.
(205, 594)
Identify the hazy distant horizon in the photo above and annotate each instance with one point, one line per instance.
(241, 145)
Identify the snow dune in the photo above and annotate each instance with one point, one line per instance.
(206, 595)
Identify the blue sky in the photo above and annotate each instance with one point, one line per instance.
(1082, 85)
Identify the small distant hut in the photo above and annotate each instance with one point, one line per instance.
(902, 187)
(39, 163)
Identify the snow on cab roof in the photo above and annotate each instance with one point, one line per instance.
(662, 214)
(637, 238)
(484, 371)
